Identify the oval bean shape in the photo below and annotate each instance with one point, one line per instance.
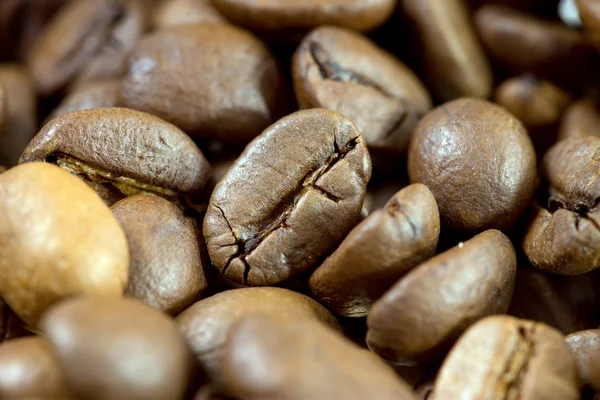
(289, 198)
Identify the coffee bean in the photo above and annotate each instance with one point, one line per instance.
(589, 13)
(581, 119)
(57, 240)
(166, 269)
(211, 80)
(564, 238)
(508, 358)
(88, 95)
(207, 323)
(375, 254)
(583, 345)
(116, 348)
(289, 199)
(140, 153)
(182, 12)
(477, 160)
(259, 363)
(419, 317)
(343, 71)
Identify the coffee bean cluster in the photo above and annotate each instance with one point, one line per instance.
(299, 199)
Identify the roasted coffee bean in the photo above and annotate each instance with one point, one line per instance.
(117, 348)
(419, 317)
(29, 369)
(564, 238)
(343, 71)
(211, 80)
(181, 12)
(583, 345)
(589, 11)
(260, 363)
(207, 323)
(593, 367)
(508, 358)
(375, 254)
(282, 16)
(450, 55)
(88, 95)
(86, 39)
(57, 240)
(289, 199)
(166, 268)
(581, 119)
(139, 153)
(477, 160)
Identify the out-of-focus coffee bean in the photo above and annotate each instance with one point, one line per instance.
(583, 345)
(182, 12)
(589, 12)
(581, 119)
(88, 95)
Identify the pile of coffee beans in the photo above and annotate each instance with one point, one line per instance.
(299, 199)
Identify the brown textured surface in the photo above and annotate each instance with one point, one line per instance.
(57, 240)
(580, 120)
(426, 310)
(87, 95)
(377, 252)
(508, 358)
(583, 345)
(207, 323)
(299, 189)
(477, 160)
(343, 71)
(260, 363)
(181, 12)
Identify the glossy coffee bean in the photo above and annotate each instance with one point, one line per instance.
(86, 39)
(508, 358)
(88, 95)
(583, 346)
(118, 348)
(450, 55)
(57, 240)
(419, 317)
(343, 71)
(121, 152)
(564, 237)
(259, 363)
(477, 160)
(299, 189)
(182, 12)
(29, 369)
(377, 252)
(207, 323)
(581, 119)
(213, 81)
(166, 270)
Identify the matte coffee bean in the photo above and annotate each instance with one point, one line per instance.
(166, 270)
(118, 348)
(508, 358)
(450, 54)
(377, 252)
(86, 39)
(564, 238)
(29, 369)
(583, 345)
(182, 12)
(57, 240)
(299, 189)
(419, 317)
(213, 81)
(581, 119)
(140, 153)
(88, 95)
(477, 160)
(207, 323)
(593, 367)
(343, 71)
(260, 363)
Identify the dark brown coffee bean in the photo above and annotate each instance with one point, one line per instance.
(583, 345)
(589, 12)
(565, 237)
(166, 268)
(20, 121)
(260, 363)
(29, 369)
(86, 39)
(118, 349)
(289, 199)
(182, 12)
(57, 240)
(375, 254)
(426, 310)
(343, 71)
(121, 152)
(581, 119)
(477, 160)
(88, 95)
(503, 357)
(450, 55)
(212, 80)
(281, 16)
(207, 323)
